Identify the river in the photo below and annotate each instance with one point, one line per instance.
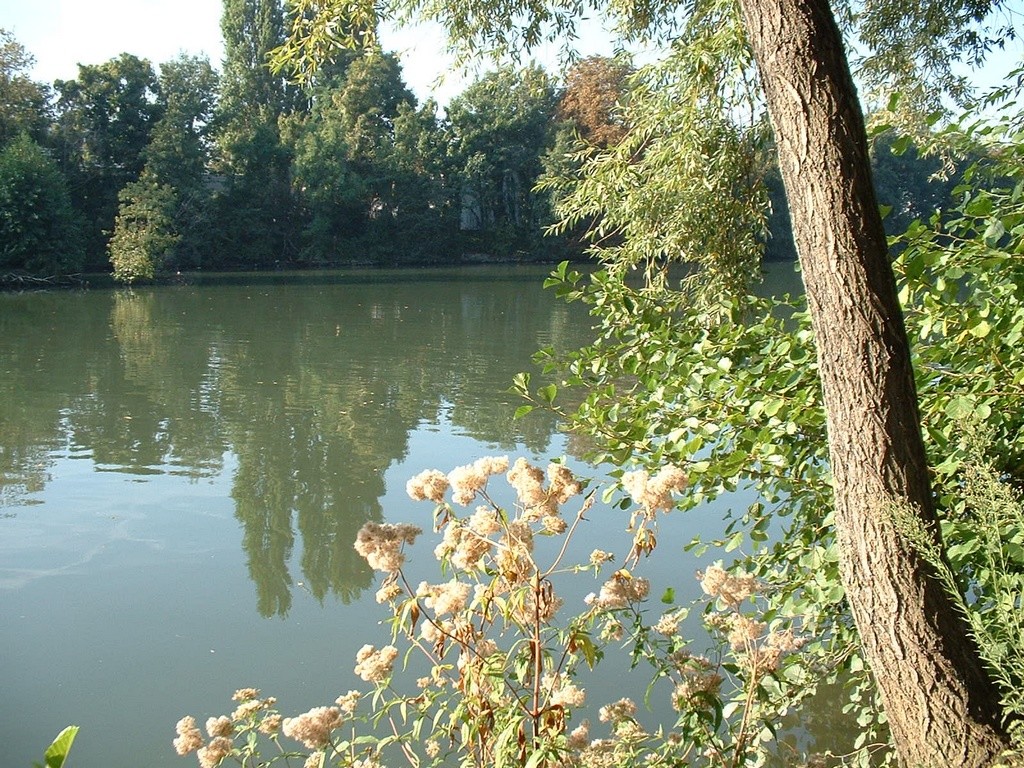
(183, 470)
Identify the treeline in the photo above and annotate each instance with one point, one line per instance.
(147, 170)
(183, 167)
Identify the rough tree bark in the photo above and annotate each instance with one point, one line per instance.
(942, 707)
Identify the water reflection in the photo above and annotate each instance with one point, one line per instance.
(178, 463)
(306, 391)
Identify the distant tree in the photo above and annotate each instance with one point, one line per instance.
(144, 233)
(421, 146)
(424, 188)
(778, 245)
(594, 87)
(38, 227)
(909, 184)
(180, 146)
(253, 216)
(178, 155)
(501, 126)
(330, 191)
(351, 178)
(368, 104)
(23, 102)
(105, 118)
(251, 29)
(589, 117)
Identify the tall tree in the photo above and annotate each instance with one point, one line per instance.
(38, 227)
(163, 217)
(369, 100)
(359, 156)
(500, 129)
(104, 121)
(23, 102)
(330, 190)
(107, 113)
(909, 627)
(251, 30)
(423, 184)
(179, 154)
(179, 149)
(253, 214)
(589, 110)
(594, 87)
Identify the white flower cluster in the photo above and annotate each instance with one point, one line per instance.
(654, 492)
(375, 666)
(731, 588)
(313, 728)
(465, 482)
(619, 591)
(444, 598)
(623, 709)
(381, 544)
(562, 692)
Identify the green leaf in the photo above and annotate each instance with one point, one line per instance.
(981, 329)
(57, 752)
(521, 411)
(521, 382)
(979, 206)
(548, 393)
(587, 648)
(960, 407)
(669, 596)
(901, 145)
(994, 233)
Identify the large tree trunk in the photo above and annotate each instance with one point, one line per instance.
(941, 705)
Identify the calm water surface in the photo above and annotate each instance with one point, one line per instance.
(183, 471)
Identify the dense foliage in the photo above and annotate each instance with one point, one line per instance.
(728, 389)
(244, 169)
(38, 227)
(693, 373)
(180, 167)
(687, 186)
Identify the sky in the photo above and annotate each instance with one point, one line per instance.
(60, 34)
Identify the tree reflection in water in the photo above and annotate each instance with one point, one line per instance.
(308, 387)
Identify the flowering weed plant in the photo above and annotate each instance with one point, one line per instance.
(494, 663)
